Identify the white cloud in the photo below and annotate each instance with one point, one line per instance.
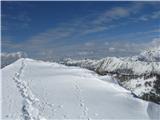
(154, 15)
(106, 43)
(117, 12)
(45, 43)
(89, 49)
(19, 21)
(90, 24)
(95, 29)
(155, 43)
(112, 49)
(89, 44)
(84, 53)
(112, 14)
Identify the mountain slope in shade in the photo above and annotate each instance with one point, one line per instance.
(42, 90)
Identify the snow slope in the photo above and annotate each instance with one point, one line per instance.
(33, 90)
(141, 77)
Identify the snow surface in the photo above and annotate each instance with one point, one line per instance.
(33, 90)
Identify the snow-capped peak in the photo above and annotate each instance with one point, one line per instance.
(150, 55)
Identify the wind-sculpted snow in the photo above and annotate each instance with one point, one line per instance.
(32, 89)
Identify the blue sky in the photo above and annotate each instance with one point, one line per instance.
(79, 29)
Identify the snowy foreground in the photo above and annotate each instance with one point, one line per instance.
(33, 90)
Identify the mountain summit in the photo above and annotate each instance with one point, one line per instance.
(151, 55)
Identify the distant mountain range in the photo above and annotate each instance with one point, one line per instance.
(140, 74)
(8, 58)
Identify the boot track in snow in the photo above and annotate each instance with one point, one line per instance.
(29, 109)
(81, 101)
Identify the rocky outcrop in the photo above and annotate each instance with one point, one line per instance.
(146, 87)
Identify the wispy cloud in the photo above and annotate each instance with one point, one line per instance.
(93, 23)
(52, 41)
(12, 23)
(112, 14)
(118, 12)
(91, 49)
(152, 16)
(18, 18)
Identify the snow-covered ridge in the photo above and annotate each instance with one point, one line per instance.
(29, 111)
(117, 65)
(8, 58)
(54, 91)
(148, 62)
